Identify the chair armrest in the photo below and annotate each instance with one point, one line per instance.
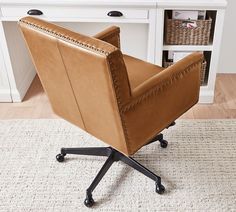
(161, 99)
(110, 35)
(169, 75)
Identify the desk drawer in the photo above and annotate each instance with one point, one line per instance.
(76, 12)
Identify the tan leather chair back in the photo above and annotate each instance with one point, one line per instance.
(85, 78)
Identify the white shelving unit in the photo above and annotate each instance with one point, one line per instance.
(212, 50)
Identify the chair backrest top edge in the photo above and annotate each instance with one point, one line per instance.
(68, 35)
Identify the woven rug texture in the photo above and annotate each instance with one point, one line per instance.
(198, 169)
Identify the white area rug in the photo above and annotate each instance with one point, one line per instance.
(198, 169)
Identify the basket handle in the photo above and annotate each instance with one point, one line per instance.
(189, 24)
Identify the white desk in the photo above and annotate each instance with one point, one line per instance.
(141, 34)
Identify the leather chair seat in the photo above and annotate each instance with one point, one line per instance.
(139, 70)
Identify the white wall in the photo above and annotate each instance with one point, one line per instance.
(227, 61)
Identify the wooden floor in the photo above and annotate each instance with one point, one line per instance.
(36, 105)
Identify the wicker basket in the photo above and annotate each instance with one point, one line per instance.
(203, 70)
(177, 33)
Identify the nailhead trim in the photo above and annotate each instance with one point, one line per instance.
(157, 89)
(119, 101)
(67, 38)
(118, 41)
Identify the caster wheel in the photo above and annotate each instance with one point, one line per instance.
(160, 189)
(172, 124)
(164, 143)
(60, 157)
(88, 202)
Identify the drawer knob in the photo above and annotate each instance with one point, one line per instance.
(115, 14)
(35, 12)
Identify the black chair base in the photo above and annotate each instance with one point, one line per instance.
(113, 156)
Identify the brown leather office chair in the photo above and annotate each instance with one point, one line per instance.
(119, 99)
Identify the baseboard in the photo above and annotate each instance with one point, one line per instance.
(232, 71)
(5, 95)
(206, 97)
(19, 93)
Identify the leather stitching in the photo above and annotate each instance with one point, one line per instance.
(159, 88)
(58, 46)
(118, 38)
(67, 38)
(118, 98)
